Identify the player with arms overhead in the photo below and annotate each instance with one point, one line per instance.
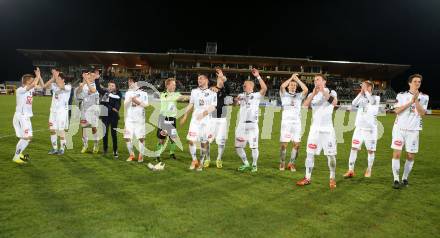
(247, 130)
(23, 112)
(291, 119)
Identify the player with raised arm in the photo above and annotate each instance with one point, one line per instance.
(219, 122)
(366, 127)
(247, 130)
(23, 112)
(59, 110)
(204, 101)
(135, 103)
(322, 133)
(291, 102)
(89, 106)
(409, 108)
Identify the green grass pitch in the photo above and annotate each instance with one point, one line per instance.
(86, 195)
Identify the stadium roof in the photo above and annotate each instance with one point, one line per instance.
(163, 60)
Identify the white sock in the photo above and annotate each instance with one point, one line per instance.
(396, 167)
(208, 152)
(310, 163)
(130, 147)
(407, 169)
(221, 149)
(370, 160)
(193, 151)
(293, 155)
(332, 165)
(141, 148)
(21, 145)
(352, 159)
(282, 155)
(85, 139)
(255, 154)
(242, 154)
(53, 140)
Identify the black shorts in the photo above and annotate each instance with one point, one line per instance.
(166, 127)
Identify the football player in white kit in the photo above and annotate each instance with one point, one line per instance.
(89, 106)
(135, 103)
(23, 112)
(204, 102)
(59, 111)
(247, 130)
(219, 123)
(322, 133)
(291, 102)
(366, 127)
(409, 108)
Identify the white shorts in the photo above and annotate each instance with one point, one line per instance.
(134, 130)
(290, 131)
(59, 120)
(246, 132)
(319, 140)
(409, 138)
(219, 130)
(90, 117)
(369, 137)
(22, 126)
(199, 131)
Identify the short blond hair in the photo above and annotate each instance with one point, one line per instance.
(169, 80)
(25, 78)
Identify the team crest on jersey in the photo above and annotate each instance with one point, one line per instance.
(201, 102)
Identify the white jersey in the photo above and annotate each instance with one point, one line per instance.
(202, 99)
(88, 100)
(60, 98)
(322, 110)
(249, 107)
(367, 110)
(291, 103)
(409, 119)
(24, 102)
(134, 112)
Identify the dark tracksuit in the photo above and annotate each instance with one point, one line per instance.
(109, 101)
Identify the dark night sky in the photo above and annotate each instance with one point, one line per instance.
(401, 31)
